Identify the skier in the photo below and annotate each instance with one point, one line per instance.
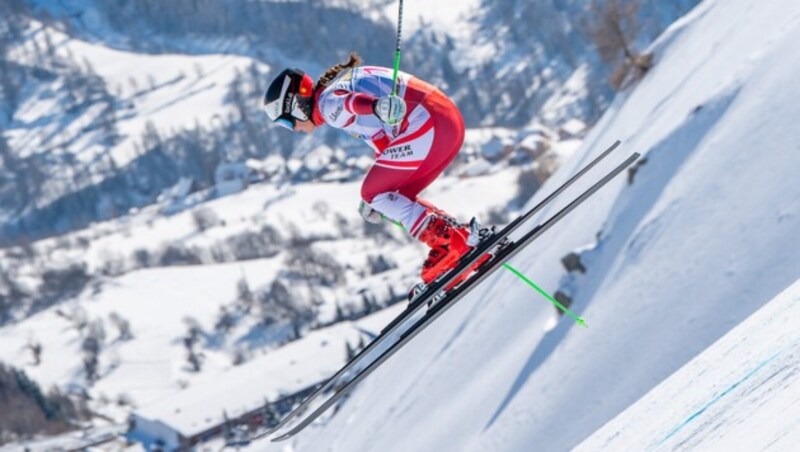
(415, 134)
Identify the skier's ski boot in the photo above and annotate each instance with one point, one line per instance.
(449, 241)
(477, 234)
(438, 254)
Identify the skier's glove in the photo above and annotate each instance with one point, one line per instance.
(390, 109)
(369, 214)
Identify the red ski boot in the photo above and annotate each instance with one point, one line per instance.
(449, 241)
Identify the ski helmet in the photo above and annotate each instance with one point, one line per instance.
(289, 98)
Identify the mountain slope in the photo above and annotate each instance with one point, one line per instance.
(704, 236)
(115, 102)
(162, 299)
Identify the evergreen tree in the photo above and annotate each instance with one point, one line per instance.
(34, 412)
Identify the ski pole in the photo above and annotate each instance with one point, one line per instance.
(578, 320)
(397, 48)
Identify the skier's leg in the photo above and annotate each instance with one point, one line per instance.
(404, 160)
(381, 190)
(447, 141)
(399, 175)
(412, 162)
(447, 240)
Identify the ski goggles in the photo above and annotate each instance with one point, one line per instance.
(286, 123)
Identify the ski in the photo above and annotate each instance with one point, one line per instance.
(505, 253)
(488, 244)
(434, 289)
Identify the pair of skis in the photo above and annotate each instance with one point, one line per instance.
(498, 244)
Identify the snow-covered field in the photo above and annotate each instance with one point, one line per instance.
(156, 301)
(702, 236)
(169, 92)
(291, 368)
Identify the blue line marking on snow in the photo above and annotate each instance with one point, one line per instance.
(724, 393)
(717, 398)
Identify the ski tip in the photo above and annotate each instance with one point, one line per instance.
(283, 437)
(582, 322)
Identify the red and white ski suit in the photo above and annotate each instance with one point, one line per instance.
(411, 155)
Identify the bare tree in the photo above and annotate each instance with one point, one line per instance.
(225, 321)
(204, 218)
(614, 31)
(378, 232)
(142, 258)
(239, 356)
(92, 345)
(312, 266)
(340, 315)
(123, 326)
(368, 303)
(527, 184)
(254, 244)
(60, 283)
(35, 348)
(179, 254)
(245, 295)
(194, 331)
(279, 304)
(346, 231)
(243, 290)
(76, 316)
(379, 264)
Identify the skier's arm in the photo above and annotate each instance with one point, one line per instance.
(339, 107)
(390, 109)
(360, 103)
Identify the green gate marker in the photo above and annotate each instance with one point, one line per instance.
(579, 320)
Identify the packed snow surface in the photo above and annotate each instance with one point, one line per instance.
(742, 393)
(704, 236)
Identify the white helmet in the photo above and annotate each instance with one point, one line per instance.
(289, 98)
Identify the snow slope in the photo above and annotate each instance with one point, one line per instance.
(171, 91)
(156, 301)
(289, 369)
(742, 393)
(705, 235)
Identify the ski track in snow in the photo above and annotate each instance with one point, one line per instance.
(741, 393)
